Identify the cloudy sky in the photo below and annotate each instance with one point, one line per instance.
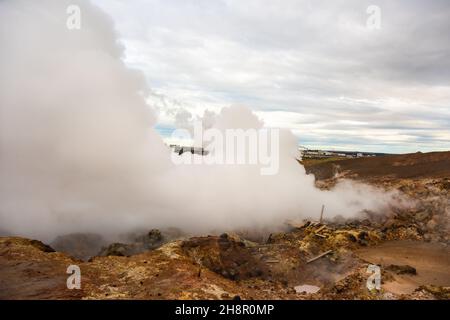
(314, 67)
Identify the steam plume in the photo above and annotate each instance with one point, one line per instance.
(78, 151)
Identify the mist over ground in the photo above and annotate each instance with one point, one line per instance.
(78, 151)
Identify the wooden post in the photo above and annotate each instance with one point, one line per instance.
(321, 213)
(319, 256)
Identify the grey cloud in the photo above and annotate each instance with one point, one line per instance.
(306, 57)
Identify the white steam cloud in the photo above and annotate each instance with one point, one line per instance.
(78, 151)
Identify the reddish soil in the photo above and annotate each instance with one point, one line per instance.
(431, 260)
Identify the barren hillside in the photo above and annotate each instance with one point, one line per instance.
(407, 166)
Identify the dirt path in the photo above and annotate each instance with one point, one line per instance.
(431, 260)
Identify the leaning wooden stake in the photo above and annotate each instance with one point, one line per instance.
(319, 256)
(321, 213)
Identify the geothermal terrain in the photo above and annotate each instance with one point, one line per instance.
(308, 259)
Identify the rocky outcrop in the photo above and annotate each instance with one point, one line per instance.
(141, 243)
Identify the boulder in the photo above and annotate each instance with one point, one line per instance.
(119, 249)
(151, 240)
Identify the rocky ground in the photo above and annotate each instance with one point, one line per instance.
(308, 260)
